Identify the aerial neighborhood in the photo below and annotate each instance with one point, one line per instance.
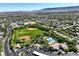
(45, 32)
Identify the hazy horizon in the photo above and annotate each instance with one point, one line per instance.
(32, 6)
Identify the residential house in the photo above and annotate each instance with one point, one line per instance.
(58, 46)
(15, 25)
(1, 35)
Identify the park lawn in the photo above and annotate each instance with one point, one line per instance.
(24, 32)
(1, 48)
(33, 33)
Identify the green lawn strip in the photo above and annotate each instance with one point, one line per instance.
(1, 48)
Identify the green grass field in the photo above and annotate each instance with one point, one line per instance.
(1, 48)
(24, 32)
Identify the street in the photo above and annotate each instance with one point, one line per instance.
(7, 50)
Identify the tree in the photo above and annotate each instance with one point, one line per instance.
(72, 48)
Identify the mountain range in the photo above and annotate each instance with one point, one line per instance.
(46, 10)
(61, 9)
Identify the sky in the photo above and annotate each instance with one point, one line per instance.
(32, 6)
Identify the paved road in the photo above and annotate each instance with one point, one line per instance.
(7, 50)
(23, 50)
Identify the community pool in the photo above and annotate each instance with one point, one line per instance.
(51, 40)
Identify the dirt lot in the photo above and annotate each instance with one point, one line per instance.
(25, 38)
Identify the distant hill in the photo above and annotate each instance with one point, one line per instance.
(61, 9)
(45, 10)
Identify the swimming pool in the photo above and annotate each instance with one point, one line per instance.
(51, 40)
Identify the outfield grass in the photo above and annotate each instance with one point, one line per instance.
(24, 31)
